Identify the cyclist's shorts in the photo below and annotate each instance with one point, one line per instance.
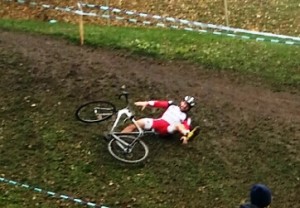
(159, 125)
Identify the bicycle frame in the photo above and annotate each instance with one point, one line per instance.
(127, 147)
(129, 115)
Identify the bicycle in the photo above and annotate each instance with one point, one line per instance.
(125, 147)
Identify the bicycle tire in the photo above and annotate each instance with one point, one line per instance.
(95, 111)
(139, 152)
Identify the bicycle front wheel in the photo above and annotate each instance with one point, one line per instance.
(95, 111)
(126, 153)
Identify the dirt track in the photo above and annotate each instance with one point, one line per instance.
(87, 70)
(248, 131)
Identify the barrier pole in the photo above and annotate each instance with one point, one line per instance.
(226, 12)
(108, 12)
(81, 30)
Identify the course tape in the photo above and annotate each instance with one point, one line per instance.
(160, 24)
(188, 22)
(50, 193)
(181, 23)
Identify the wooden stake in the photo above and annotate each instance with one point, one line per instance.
(108, 12)
(226, 12)
(81, 30)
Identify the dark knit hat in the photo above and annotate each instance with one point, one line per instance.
(260, 195)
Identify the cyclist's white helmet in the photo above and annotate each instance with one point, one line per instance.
(190, 100)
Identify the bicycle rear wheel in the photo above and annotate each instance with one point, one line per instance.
(136, 154)
(95, 111)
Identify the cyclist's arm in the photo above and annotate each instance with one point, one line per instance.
(153, 103)
(187, 124)
(160, 103)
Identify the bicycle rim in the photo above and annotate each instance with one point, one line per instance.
(138, 153)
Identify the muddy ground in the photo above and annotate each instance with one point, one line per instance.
(229, 106)
(85, 69)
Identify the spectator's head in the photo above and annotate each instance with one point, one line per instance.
(260, 195)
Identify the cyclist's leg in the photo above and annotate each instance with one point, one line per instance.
(142, 123)
(160, 126)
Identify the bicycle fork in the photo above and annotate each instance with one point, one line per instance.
(126, 147)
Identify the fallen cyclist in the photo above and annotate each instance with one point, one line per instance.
(174, 119)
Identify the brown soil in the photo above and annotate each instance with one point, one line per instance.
(83, 70)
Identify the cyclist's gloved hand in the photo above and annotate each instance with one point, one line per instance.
(189, 135)
(143, 104)
(184, 139)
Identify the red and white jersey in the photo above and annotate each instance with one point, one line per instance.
(173, 115)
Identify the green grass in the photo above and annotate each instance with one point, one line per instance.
(275, 62)
(44, 146)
